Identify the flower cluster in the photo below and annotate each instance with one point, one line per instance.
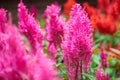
(16, 62)
(105, 16)
(22, 54)
(103, 58)
(101, 76)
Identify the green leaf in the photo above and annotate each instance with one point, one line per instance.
(96, 58)
(42, 22)
(45, 43)
(113, 62)
(111, 71)
(90, 77)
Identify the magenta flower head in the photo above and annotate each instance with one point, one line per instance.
(12, 53)
(23, 12)
(2, 20)
(15, 65)
(25, 67)
(38, 70)
(103, 59)
(54, 28)
(77, 46)
(101, 76)
(29, 27)
(33, 11)
(52, 10)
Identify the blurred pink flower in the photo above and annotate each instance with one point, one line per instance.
(101, 76)
(2, 20)
(18, 64)
(33, 11)
(29, 27)
(103, 57)
(41, 68)
(12, 62)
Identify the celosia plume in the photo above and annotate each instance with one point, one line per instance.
(117, 6)
(52, 10)
(16, 63)
(12, 62)
(105, 16)
(106, 26)
(103, 59)
(77, 46)
(93, 14)
(2, 20)
(29, 27)
(33, 11)
(54, 28)
(89, 9)
(67, 6)
(101, 76)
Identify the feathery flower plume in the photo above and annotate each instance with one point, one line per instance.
(33, 11)
(52, 10)
(103, 58)
(77, 46)
(29, 27)
(2, 20)
(102, 24)
(54, 28)
(12, 63)
(14, 66)
(101, 76)
(38, 70)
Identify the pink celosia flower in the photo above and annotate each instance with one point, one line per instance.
(15, 36)
(101, 76)
(23, 12)
(2, 20)
(3, 43)
(77, 46)
(39, 70)
(12, 54)
(52, 50)
(29, 27)
(107, 77)
(54, 28)
(33, 11)
(103, 57)
(52, 10)
(17, 64)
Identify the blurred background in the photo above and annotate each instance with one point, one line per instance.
(11, 5)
